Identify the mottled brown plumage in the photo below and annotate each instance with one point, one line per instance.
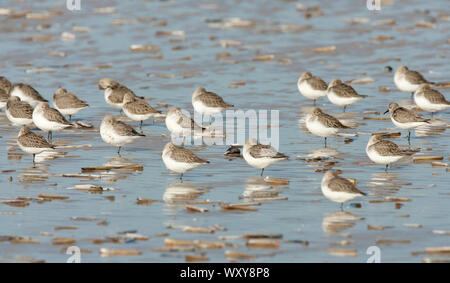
(137, 106)
(124, 129)
(210, 99)
(64, 99)
(53, 115)
(338, 184)
(263, 150)
(29, 139)
(328, 120)
(403, 115)
(411, 76)
(19, 109)
(5, 85)
(432, 95)
(315, 82)
(181, 154)
(388, 148)
(343, 90)
(29, 91)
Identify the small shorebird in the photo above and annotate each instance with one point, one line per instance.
(408, 80)
(26, 93)
(260, 155)
(49, 119)
(114, 92)
(342, 94)
(117, 133)
(32, 142)
(312, 87)
(322, 124)
(430, 100)
(138, 109)
(19, 112)
(5, 87)
(208, 103)
(385, 152)
(338, 189)
(67, 103)
(180, 124)
(405, 119)
(180, 159)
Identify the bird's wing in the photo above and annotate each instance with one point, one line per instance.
(262, 150)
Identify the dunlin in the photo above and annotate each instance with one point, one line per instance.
(208, 103)
(5, 87)
(114, 92)
(311, 87)
(180, 159)
(32, 143)
(117, 133)
(26, 93)
(342, 94)
(49, 119)
(260, 155)
(138, 109)
(67, 103)
(405, 119)
(338, 189)
(430, 100)
(408, 80)
(385, 152)
(19, 112)
(322, 124)
(180, 124)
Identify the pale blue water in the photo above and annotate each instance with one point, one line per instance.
(269, 85)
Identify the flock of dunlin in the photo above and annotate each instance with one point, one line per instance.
(25, 106)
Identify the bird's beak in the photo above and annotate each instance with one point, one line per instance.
(386, 111)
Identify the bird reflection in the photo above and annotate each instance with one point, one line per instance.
(324, 152)
(256, 187)
(179, 193)
(339, 221)
(435, 127)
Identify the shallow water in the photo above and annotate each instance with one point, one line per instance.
(306, 215)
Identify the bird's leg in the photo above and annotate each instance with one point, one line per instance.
(181, 178)
(325, 142)
(262, 172)
(386, 169)
(121, 112)
(409, 137)
(342, 206)
(314, 102)
(432, 114)
(34, 163)
(118, 151)
(70, 118)
(345, 108)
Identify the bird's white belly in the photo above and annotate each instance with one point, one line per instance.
(408, 125)
(176, 166)
(426, 105)
(319, 129)
(68, 111)
(201, 108)
(259, 162)
(306, 90)
(137, 117)
(341, 101)
(403, 85)
(108, 92)
(45, 125)
(17, 121)
(339, 197)
(32, 150)
(381, 159)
